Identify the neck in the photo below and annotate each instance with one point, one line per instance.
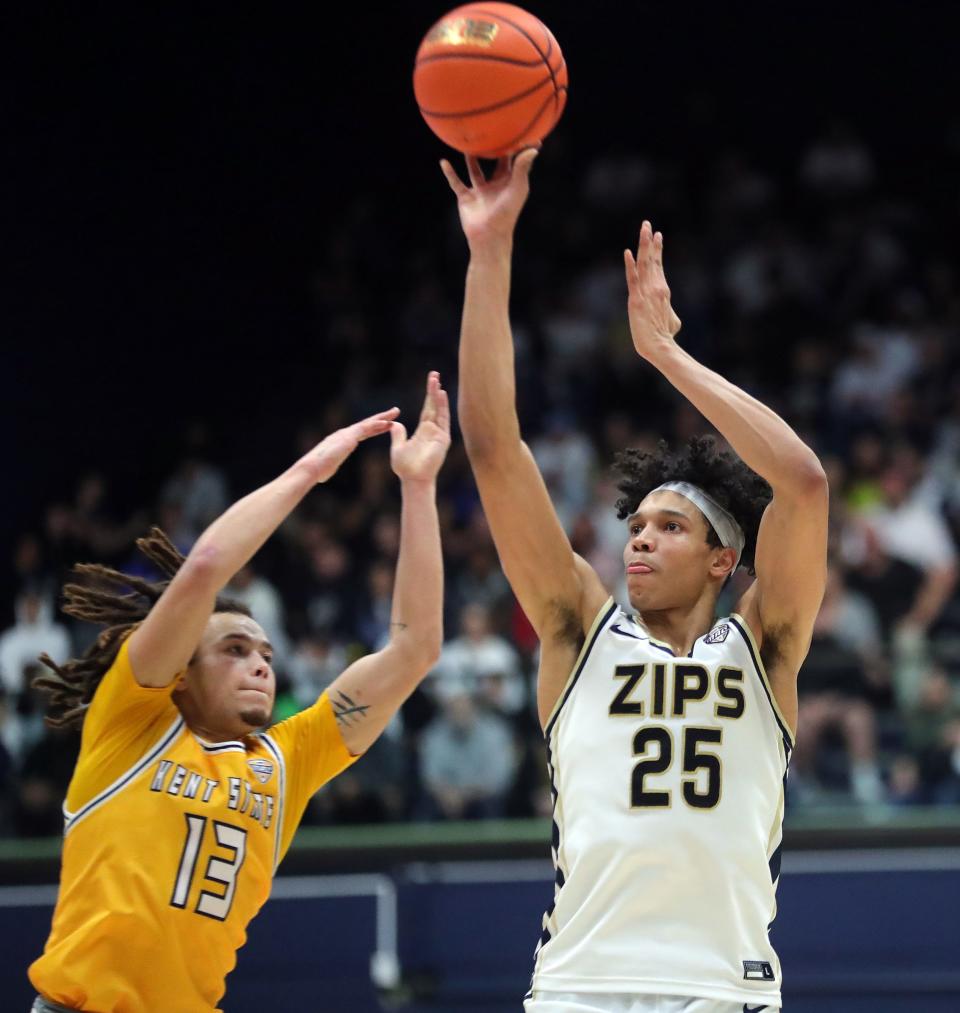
(680, 627)
(206, 730)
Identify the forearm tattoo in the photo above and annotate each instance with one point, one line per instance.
(347, 711)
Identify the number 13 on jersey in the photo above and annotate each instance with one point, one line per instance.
(219, 871)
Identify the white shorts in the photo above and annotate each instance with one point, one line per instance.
(571, 1002)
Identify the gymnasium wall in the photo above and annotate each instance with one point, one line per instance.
(858, 931)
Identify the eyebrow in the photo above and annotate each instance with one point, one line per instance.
(658, 510)
(247, 638)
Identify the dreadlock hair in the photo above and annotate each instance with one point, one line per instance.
(119, 602)
(721, 474)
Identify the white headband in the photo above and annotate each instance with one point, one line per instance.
(728, 530)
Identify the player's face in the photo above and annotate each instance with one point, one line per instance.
(668, 561)
(229, 685)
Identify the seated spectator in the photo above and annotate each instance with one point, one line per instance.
(44, 777)
(834, 688)
(374, 790)
(330, 595)
(566, 459)
(373, 616)
(481, 664)
(197, 487)
(909, 530)
(316, 661)
(933, 737)
(481, 580)
(33, 634)
(466, 763)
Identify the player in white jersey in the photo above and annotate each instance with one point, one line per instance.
(668, 730)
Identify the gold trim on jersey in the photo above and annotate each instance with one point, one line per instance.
(125, 779)
(758, 662)
(601, 616)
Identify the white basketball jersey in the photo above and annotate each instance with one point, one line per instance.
(668, 778)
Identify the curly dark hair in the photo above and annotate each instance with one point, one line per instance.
(719, 473)
(120, 602)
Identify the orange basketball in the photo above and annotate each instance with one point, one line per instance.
(490, 79)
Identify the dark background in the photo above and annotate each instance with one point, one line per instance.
(173, 175)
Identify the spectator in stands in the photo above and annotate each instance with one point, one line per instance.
(33, 634)
(834, 688)
(480, 579)
(566, 459)
(909, 530)
(466, 763)
(374, 790)
(373, 615)
(316, 661)
(198, 487)
(838, 163)
(44, 776)
(330, 590)
(481, 664)
(933, 736)
(30, 571)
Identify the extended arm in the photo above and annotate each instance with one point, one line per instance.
(557, 591)
(792, 543)
(367, 695)
(163, 644)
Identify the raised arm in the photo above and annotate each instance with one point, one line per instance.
(791, 552)
(367, 695)
(163, 644)
(559, 593)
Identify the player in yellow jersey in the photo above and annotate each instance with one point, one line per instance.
(181, 806)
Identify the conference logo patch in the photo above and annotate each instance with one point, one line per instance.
(718, 634)
(262, 769)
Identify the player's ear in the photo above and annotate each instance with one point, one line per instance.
(722, 563)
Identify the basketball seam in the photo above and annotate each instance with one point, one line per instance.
(488, 109)
(536, 117)
(544, 56)
(477, 56)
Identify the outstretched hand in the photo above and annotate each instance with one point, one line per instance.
(489, 208)
(329, 454)
(653, 322)
(418, 459)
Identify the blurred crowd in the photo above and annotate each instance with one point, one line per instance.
(824, 290)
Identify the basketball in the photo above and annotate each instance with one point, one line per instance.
(490, 79)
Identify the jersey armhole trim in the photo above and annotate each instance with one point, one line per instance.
(606, 610)
(277, 753)
(166, 740)
(741, 624)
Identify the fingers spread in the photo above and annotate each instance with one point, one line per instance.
(456, 184)
(477, 177)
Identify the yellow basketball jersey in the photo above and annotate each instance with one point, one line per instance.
(170, 845)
